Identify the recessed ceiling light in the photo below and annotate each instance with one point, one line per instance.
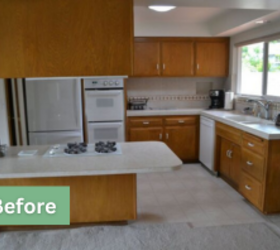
(161, 8)
(262, 21)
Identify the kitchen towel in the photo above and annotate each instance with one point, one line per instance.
(229, 97)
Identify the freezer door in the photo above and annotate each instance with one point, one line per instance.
(55, 138)
(53, 104)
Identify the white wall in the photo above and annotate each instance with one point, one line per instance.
(4, 132)
(170, 29)
(265, 30)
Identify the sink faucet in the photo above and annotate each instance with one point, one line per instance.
(265, 106)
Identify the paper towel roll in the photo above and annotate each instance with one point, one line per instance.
(229, 97)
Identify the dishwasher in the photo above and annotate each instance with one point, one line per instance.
(207, 142)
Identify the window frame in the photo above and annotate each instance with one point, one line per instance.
(239, 46)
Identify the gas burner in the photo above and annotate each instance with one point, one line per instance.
(76, 148)
(105, 148)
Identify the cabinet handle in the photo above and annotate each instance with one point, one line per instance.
(157, 66)
(181, 121)
(146, 123)
(160, 136)
(249, 163)
(163, 66)
(229, 154)
(248, 187)
(198, 66)
(251, 144)
(167, 136)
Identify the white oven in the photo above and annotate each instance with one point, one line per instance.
(104, 105)
(107, 131)
(104, 99)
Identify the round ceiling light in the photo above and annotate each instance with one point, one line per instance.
(161, 8)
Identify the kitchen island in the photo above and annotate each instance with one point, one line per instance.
(103, 188)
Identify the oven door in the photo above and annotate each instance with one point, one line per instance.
(104, 105)
(109, 131)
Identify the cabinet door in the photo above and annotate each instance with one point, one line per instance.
(212, 58)
(145, 134)
(146, 59)
(225, 160)
(183, 141)
(177, 58)
(235, 166)
(66, 38)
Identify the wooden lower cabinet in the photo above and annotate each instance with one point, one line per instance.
(145, 134)
(251, 165)
(93, 199)
(180, 133)
(183, 141)
(230, 161)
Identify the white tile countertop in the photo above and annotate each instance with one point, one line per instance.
(136, 157)
(253, 125)
(163, 112)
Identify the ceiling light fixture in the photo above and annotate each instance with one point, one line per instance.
(262, 21)
(161, 8)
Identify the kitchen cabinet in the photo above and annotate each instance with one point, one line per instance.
(163, 57)
(147, 59)
(180, 133)
(212, 58)
(145, 134)
(48, 38)
(230, 161)
(250, 165)
(178, 57)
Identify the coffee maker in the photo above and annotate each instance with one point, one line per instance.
(217, 97)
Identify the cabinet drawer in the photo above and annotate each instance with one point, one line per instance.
(145, 122)
(232, 134)
(251, 189)
(253, 164)
(180, 120)
(254, 143)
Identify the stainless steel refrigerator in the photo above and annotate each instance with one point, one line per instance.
(54, 110)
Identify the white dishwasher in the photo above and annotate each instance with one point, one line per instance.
(207, 142)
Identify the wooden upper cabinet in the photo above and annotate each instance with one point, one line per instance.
(45, 38)
(146, 59)
(212, 58)
(181, 56)
(177, 58)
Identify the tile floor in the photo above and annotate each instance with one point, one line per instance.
(191, 195)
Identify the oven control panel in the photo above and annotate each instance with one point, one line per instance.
(101, 83)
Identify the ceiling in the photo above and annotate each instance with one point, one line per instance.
(203, 17)
(225, 4)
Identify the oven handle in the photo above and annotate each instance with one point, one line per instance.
(103, 93)
(106, 125)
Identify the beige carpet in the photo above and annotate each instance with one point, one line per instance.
(147, 237)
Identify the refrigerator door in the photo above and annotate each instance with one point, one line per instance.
(53, 104)
(55, 138)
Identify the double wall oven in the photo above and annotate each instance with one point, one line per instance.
(104, 108)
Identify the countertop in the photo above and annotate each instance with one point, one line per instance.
(163, 112)
(136, 157)
(265, 131)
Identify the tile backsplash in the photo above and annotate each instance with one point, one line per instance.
(174, 92)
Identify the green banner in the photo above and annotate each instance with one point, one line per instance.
(34, 206)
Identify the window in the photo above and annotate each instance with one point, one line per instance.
(259, 69)
(273, 75)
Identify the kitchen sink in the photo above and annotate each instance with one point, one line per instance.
(243, 118)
